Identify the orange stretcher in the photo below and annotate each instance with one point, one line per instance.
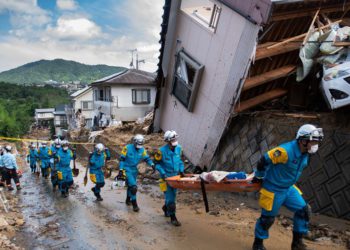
(225, 185)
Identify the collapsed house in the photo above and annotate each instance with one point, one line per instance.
(227, 84)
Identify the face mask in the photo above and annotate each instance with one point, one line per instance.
(138, 146)
(58, 146)
(313, 149)
(174, 144)
(44, 146)
(65, 148)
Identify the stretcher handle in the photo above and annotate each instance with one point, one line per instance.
(204, 193)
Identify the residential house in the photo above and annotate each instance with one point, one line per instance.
(81, 112)
(125, 96)
(60, 120)
(43, 117)
(206, 51)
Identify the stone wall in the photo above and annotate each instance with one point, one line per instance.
(325, 183)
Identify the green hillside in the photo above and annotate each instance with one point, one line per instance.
(58, 70)
(17, 105)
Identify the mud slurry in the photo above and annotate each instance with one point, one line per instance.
(79, 222)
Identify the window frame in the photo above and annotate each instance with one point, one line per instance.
(212, 23)
(134, 94)
(91, 105)
(182, 54)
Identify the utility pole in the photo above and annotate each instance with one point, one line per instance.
(138, 61)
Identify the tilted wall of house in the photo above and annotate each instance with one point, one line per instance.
(325, 183)
(225, 55)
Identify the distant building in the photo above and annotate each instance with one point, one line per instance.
(81, 112)
(43, 117)
(60, 119)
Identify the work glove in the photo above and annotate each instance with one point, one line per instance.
(257, 180)
(121, 175)
(182, 174)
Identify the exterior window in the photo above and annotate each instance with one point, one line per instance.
(86, 105)
(141, 96)
(204, 12)
(103, 94)
(186, 80)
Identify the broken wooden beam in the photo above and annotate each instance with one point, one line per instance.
(297, 115)
(309, 12)
(296, 38)
(257, 100)
(268, 76)
(263, 51)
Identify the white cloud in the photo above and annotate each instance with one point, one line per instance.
(143, 17)
(16, 52)
(25, 16)
(77, 28)
(66, 4)
(76, 37)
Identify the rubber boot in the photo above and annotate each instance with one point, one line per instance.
(93, 190)
(174, 221)
(135, 207)
(128, 201)
(165, 211)
(258, 244)
(10, 188)
(297, 243)
(18, 187)
(99, 198)
(64, 194)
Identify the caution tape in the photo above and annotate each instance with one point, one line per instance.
(37, 140)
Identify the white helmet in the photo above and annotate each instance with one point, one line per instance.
(8, 148)
(309, 132)
(139, 140)
(64, 143)
(57, 141)
(170, 135)
(32, 145)
(99, 147)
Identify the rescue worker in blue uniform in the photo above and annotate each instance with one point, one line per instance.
(32, 157)
(131, 156)
(2, 168)
(278, 170)
(169, 163)
(97, 161)
(55, 147)
(10, 168)
(64, 172)
(44, 154)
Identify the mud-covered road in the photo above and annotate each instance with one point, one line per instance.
(79, 222)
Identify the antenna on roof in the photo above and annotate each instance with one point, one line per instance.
(132, 58)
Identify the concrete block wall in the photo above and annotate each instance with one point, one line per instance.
(325, 183)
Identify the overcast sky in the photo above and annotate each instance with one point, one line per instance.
(87, 31)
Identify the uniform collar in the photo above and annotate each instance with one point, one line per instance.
(297, 152)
